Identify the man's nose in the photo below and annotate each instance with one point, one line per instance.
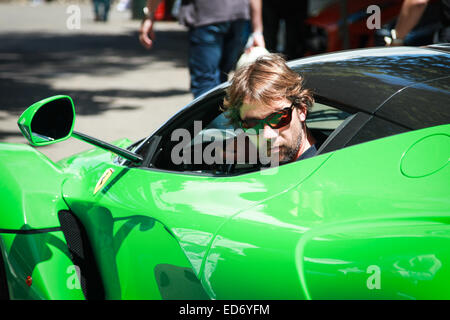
(270, 133)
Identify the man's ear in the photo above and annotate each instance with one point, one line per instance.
(302, 111)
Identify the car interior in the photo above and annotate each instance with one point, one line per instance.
(204, 124)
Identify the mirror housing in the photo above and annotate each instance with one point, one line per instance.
(48, 121)
(51, 120)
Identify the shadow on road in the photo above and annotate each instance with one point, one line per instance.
(16, 96)
(5, 134)
(28, 60)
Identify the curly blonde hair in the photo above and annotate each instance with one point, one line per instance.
(265, 81)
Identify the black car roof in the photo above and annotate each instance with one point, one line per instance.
(367, 79)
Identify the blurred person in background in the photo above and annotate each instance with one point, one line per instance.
(123, 5)
(216, 36)
(294, 14)
(101, 10)
(410, 15)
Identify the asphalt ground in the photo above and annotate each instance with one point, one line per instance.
(120, 90)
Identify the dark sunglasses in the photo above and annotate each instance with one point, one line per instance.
(275, 120)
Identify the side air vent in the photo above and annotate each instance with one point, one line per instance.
(82, 255)
(4, 294)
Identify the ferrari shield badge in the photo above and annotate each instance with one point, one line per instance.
(101, 182)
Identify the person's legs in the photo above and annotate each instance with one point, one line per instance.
(295, 13)
(233, 46)
(293, 37)
(444, 35)
(97, 9)
(271, 23)
(106, 6)
(205, 54)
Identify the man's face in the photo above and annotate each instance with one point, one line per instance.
(287, 141)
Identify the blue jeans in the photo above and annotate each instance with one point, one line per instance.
(101, 9)
(213, 52)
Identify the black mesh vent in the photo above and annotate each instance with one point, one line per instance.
(4, 295)
(81, 254)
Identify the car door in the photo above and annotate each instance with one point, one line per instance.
(370, 223)
(158, 216)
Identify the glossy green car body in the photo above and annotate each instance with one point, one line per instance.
(368, 221)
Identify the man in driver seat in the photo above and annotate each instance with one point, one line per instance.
(269, 98)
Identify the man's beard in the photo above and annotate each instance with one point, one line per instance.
(289, 153)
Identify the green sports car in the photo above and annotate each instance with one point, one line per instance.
(367, 217)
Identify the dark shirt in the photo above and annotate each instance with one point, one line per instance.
(195, 13)
(309, 153)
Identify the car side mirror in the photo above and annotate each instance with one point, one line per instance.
(48, 121)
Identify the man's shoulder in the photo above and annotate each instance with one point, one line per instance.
(309, 153)
(312, 151)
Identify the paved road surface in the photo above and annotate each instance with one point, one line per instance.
(119, 89)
